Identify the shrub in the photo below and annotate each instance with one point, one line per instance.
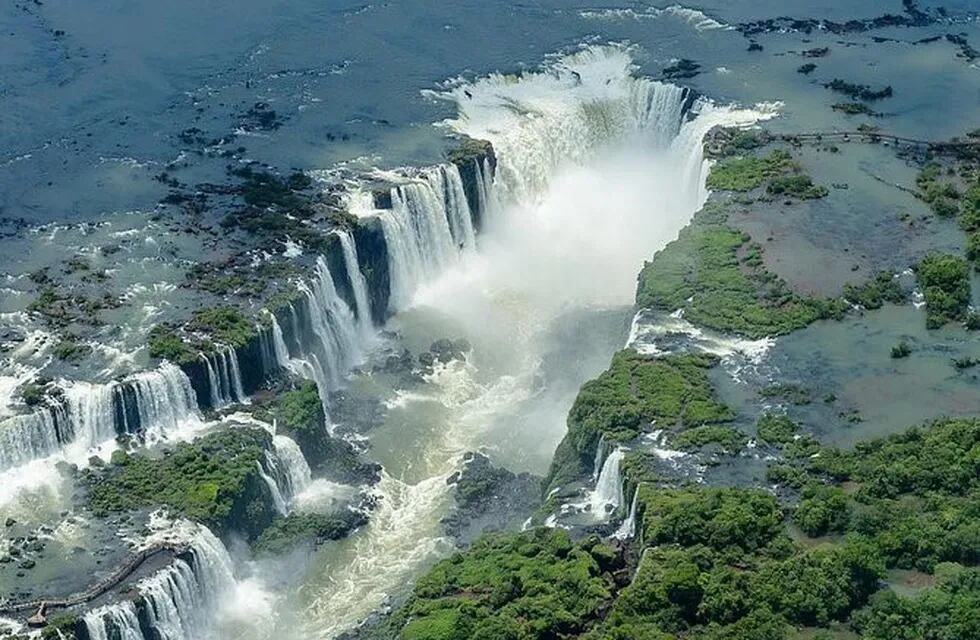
(901, 350)
(945, 283)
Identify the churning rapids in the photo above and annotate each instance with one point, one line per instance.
(596, 170)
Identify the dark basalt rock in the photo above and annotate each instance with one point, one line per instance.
(489, 498)
(470, 157)
(372, 256)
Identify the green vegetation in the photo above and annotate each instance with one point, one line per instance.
(969, 220)
(287, 532)
(947, 610)
(972, 322)
(298, 413)
(747, 173)
(915, 495)
(776, 428)
(537, 584)
(712, 273)
(793, 393)
(60, 628)
(858, 91)
(727, 438)
(300, 410)
(276, 207)
(874, 293)
(468, 150)
(941, 196)
(224, 325)
(854, 109)
(625, 399)
(70, 349)
(214, 480)
(730, 142)
(164, 343)
(901, 350)
(720, 564)
(799, 186)
(822, 509)
(947, 201)
(945, 282)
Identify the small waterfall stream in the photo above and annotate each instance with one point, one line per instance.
(358, 285)
(627, 529)
(224, 377)
(608, 492)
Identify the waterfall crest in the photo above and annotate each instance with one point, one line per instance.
(428, 227)
(31, 436)
(563, 114)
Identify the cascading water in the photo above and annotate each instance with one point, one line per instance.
(608, 492)
(266, 472)
(429, 225)
(155, 405)
(600, 456)
(285, 472)
(296, 471)
(358, 285)
(31, 436)
(165, 402)
(114, 621)
(224, 377)
(628, 528)
(336, 346)
(178, 600)
(91, 413)
(596, 170)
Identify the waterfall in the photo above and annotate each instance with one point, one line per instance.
(628, 528)
(91, 412)
(178, 601)
(27, 437)
(485, 197)
(285, 472)
(278, 499)
(153, 404)
(358, 284)
(114, 621)
(224, 377)
(577, 105)
(293, 465)
(600, 454)
(165, 401)
(428, 226)
(337, 346)
(609, 487)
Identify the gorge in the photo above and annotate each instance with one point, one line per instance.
(621, 361)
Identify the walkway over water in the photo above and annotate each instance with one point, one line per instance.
(103, 586)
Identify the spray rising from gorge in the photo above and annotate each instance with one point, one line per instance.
(596, 169)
